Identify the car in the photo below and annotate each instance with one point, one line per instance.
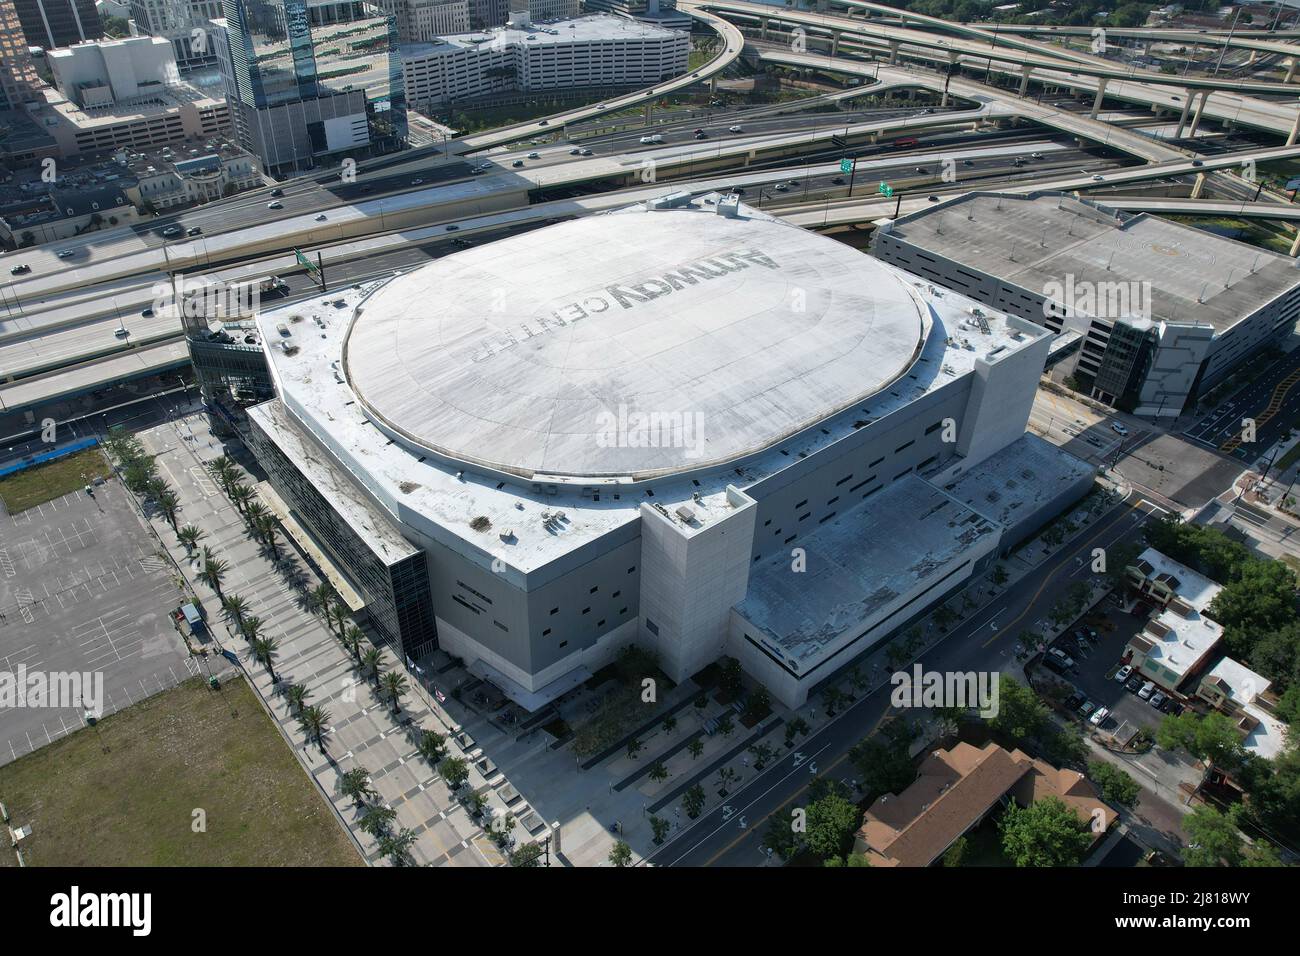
(738, 190)
(1092, 636)
(735, 129)
(275, 205)
(1167, 705)
(572, 152)
(1086, 708)
(321, 218)
(587, 152)
(699, 131)
(932, 198)
(1054, 666)
(66, 253)
(121, 333)
(1099, 716)
(277, 192)
(1156, 699)
(921, 169)
(968, 162)
(461, 243)
(701, 135)
(1119, 429)
(781, 187)
(517, 164)
(694, 75)
(1147, 690)
(1197, 163)
(453, 228)
(417, 182)
(147, 312)
(20, 270)
(544, 123)
(1098, 179)
(1123, 673)
(1073, 701)
(534, 156)
(838, 181)
(1176, 708)
(1060, 657)
(193, 231)
(171, 231)
(1035, 155)
(1133, 684)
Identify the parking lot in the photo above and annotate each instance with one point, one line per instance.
(1096, 663)
(84, 590)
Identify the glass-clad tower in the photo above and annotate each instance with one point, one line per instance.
(310, 79)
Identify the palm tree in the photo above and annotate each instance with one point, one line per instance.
(371, 662)
(430, 746)
(223, 470)
(267, 525)
(337, 616)
(169, 503)
(319, 598)
(395, 685)
(396, 846)
(254, 514)
(189, 537)
(315, 723)
(251, 628)
(213, 571)
(297, 696)
(352, 639)
(377, 820)
(355, 784)
(235, 606)
(264, 649)
(241, 494)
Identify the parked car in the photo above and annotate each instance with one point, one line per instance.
(1167, 705)
(1121, 675)
(1157, 699)
(1086, 708)
(1133, 684)
(1073, 701)
(1060, 657)
(1099, 716)
(1147, 690)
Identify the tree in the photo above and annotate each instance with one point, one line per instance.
(431, 746)
(251, 628)
(658, 772)
(530, 854)
(352, 640)
(377, 820)
(254, 514)
(1213, 838)
(240, 494)
(355, 785)
(372, 662)
(796, 727)
(337, 617)
(693, 801)
(1021, 715)
(454, 772)
(319, 600)
(726, 725)
(884, 762)
(397, 846)
(214, 571)
(1212, 738)
(695, 748)
(758, 706)
(725, 777)
(779, 836)
(1116, 785)
(264, 649)
(620, 855)
(1046, 833)
(1000, 576)
(761, 753)
(235, 607)
(833, 698)
(730, 679)
(669, 724)
(297, 695)
(955, 854)
(832, 821)
(315, 723)
(189, 537)
(633, 748)
(660, 828)
(394, 686)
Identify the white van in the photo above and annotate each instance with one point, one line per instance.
(647, 140)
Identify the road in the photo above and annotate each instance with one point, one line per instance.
(1272, 401)
(984, 642)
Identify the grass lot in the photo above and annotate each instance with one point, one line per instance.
(54, 479)
(123, 793)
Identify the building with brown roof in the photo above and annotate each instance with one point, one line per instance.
(955, 790)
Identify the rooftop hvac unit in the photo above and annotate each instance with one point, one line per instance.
(685, 513)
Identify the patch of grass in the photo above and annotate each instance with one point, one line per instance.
(53, 479)
(126, 791)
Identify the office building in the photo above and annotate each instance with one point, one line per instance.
(54, 23)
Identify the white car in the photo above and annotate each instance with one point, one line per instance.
(1061, 657)
(274, 205)
(1099, 716)
(534, 156)
(735, 129)
(1098, 179)
(1122, 674)
(1147, 690)
(1119, 429)
(1156, 699)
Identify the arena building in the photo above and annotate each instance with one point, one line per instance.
(684, 424)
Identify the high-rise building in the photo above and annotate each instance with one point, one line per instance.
(17, 74)
(185, 23)
(56, 23)
(422, 21)
(310, 80)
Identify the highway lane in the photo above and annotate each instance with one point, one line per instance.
(1272, 400)
(984, 642)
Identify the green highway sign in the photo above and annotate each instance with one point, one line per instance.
(305, 262)
(846, 165)
(885, 190)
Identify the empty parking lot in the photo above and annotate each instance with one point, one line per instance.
(83, 589)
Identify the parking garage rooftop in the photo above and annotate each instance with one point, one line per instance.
(1178, 273)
